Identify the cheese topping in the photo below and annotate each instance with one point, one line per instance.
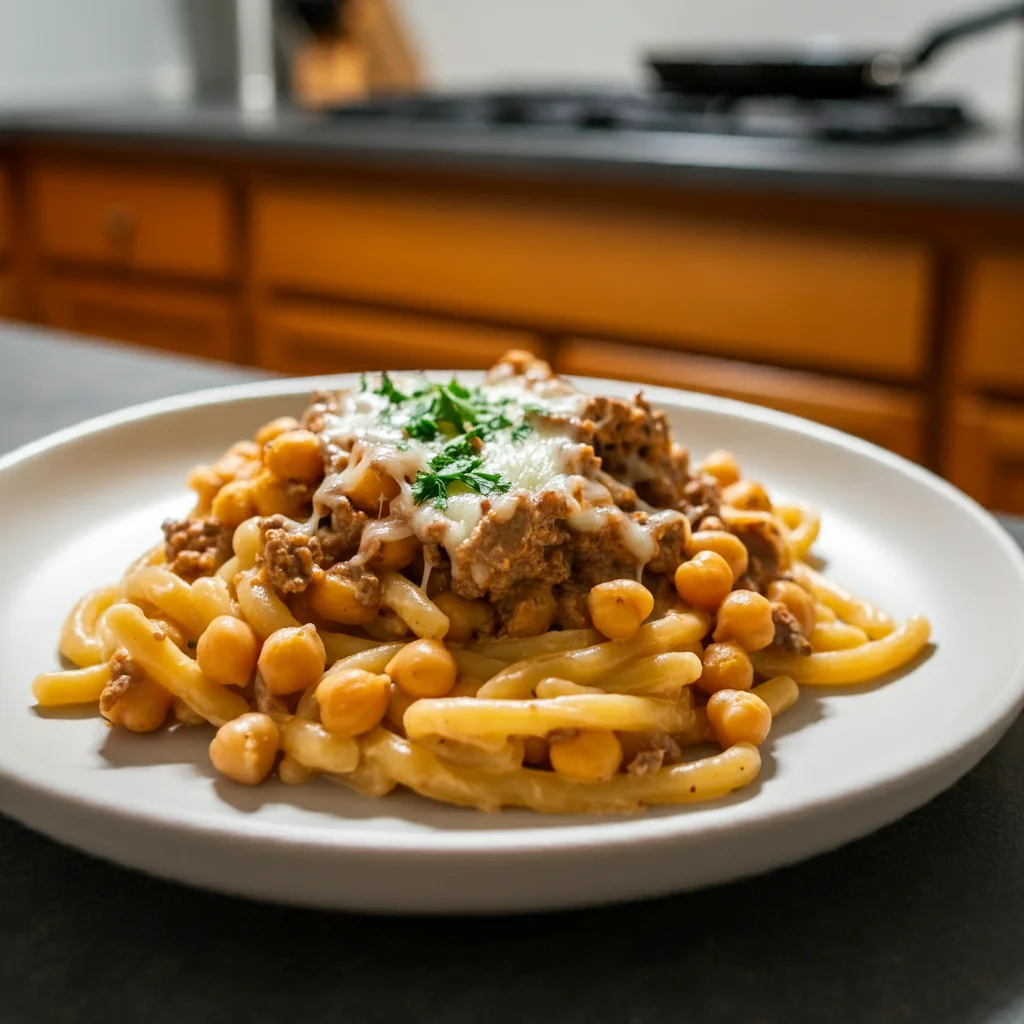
(522, 441)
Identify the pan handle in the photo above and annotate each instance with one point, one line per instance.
(969, 26)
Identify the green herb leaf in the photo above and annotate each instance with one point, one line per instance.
(430, 487)
(521, 432)
(422, 429)
(457, 463)
(389, 391)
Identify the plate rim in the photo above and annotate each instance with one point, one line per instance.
(596, 831)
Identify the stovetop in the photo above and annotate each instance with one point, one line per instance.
(865, 120)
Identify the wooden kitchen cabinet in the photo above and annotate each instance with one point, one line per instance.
(985, 452)
(118, 215)
(10, 304)
(176, 319)
(831, 300)
(989, 334)
(303, 337)
(890, 417)
(6, 213)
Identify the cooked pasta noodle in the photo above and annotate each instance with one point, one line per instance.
(511, 595)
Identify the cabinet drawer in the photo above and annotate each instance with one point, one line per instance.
(742, 290)
(6, 213)
(110, 215)
(890, 417)
(985, 452)
(990, 334)
(167, 318)
(299, 337)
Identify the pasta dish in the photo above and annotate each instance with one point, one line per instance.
(512, 594)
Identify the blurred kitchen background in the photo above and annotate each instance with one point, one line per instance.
(768, 201)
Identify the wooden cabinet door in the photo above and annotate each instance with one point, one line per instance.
(306, 338)
(6, 212)
(177, 319)
(10, 306)
(890, 417)
(985, 452)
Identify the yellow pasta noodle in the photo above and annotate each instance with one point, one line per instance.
(548, 792)
(591, 664)
(77, 686)
(855, 665)
(79, 642)
(413, 606)
(467, 717)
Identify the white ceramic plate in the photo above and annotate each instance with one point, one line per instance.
(80, 504)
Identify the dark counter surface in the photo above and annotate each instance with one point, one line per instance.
(923, 921)
(982, 168)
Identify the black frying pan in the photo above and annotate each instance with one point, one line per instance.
(813, 73)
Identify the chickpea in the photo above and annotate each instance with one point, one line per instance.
(423, 668)
(206, 482)
(617, 608)
(738, 716)
(243, 451)
(466, 618)
(233, 503)
(746, 617)
(372, 489)
(292, 659)
(245, 748)
(723, 543)
(334, 598)
(227, 651)
(142, 707)
(394, 554)
(705, 580)
(589, 756)
(270, 495)
(352, 701)
(275, 428)
(726, 667)
(798, 602)
(398, 704)
(294, 455)
(292, 772)
(722, 466)
(533, 611)
(748, 495)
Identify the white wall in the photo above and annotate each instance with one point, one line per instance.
(466, 42)
(80, 51)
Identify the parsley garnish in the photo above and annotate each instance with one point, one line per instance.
(521, 432)
(458, 463)
(388, 390)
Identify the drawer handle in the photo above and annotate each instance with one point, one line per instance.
(119, 224)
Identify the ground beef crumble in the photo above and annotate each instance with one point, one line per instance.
(123, 673)
(788, 634)
(291, 557)
(196, 547)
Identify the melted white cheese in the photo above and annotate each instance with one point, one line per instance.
(549, 458)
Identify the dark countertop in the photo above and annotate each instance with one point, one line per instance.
(923, 921)
(984, 168)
